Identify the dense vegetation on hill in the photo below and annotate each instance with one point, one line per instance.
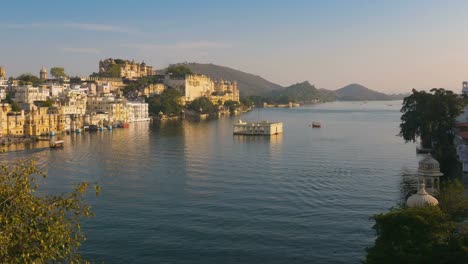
(304, 93)
(247, 83)
(178, 71)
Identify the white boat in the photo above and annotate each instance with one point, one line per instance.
(56, 144)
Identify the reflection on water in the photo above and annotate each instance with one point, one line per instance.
(176, 191)
(408, 185)
(273, 139)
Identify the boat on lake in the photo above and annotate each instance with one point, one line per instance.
(316, 125)
(56, 144)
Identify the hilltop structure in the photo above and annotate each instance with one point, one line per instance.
(125, 68)
(43, 73)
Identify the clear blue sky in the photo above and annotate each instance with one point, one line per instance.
(390, 46)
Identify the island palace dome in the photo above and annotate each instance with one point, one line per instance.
(421, 198)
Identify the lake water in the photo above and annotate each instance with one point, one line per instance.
(184, 192)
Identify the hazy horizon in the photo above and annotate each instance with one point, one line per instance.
(390, 47)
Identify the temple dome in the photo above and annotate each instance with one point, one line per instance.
(43, 70)
(422, 198)
(429, 167)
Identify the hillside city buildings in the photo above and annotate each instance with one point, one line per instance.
(126, 69)
(60, 105)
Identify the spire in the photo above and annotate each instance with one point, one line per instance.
(422, 198)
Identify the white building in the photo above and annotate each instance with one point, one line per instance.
(138, 111)
(29, 94)
(197, 86)
(104, 88)
(78, 89)
(55, 90)
(3, 87)
(2, 93)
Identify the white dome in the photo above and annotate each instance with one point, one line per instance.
(422, 198)
(429, 167)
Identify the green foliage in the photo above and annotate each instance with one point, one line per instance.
(114, 71)
(167, 102)
(432, 234)
(253, 100)
(37, 228)
(453, 201)
(247, 101)
(28, 78)
(178, 71)
(58, 72)
(301, 92)
(431, 117)
(202, 105)
(417, 235)
(14, 105)
(119, 61)
(232, 105)
(140, 84)
(46, 103)
(304, 92)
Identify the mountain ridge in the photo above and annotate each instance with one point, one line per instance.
(358, 92)
(247, 83)
(255, 85)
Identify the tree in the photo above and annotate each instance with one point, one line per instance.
(167, 102)
(431, 117)
(247, 101)
(232, 105)
(203, 105)
(114, 71)
(38, 228)
(452, 200)
(58, 72)
(417, 235)
(47, 103)
(120, 61)
(28, 78)
(178, 71)
(15, 107)
(432, 234)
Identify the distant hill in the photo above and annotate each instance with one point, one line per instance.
(303, 92)
(247, 83)
(357, 92)
(250, 84)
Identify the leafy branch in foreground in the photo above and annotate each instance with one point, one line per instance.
(39, 228)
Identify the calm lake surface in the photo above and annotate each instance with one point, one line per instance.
(184, 192)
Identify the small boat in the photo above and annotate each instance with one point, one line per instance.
(56, 144)
(316, 125)
(126, 125)
(78, 131)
